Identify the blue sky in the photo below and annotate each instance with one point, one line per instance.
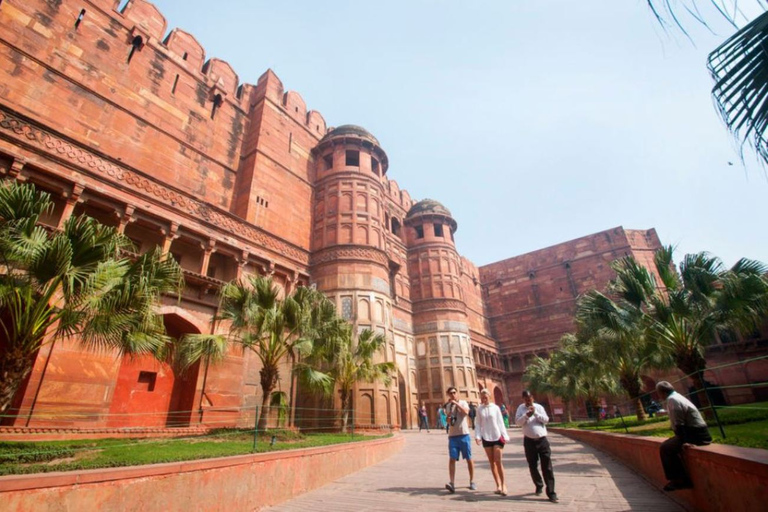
(534, 122)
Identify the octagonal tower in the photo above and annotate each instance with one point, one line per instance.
(349, 261)
(443, 350)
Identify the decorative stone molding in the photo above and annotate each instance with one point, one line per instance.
(438, 304)
(92, 163)
(350, 252)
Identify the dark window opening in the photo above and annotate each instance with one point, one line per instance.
(176, 256)
(184, 57)
(375, 166)
(136, 44)
(217, 101)
(439, 230)
(175, 83)
(419, 231)
(239, 93)
(79, 18)
(211, 272)
(328, 161)
(396, 227)
(148, 378)
(353, 158)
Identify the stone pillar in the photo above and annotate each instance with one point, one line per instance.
(170, 236)
(126, 218)
(69, 207)
(208, 249)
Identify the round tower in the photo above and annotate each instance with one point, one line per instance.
(443, 349)
(349, 263)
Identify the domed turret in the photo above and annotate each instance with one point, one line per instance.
(429, 212)
(349, 147)
(350, 130)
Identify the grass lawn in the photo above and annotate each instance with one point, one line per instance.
(45, 456)
(744, 425)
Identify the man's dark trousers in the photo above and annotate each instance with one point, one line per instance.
(672, 448)
(536, 449)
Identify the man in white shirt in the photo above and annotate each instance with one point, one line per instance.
(532, 418)
(689, 427)
(458, 438)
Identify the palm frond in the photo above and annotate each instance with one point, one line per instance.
(195, 347)
(740, 69)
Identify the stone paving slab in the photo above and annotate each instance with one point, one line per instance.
(414, 480)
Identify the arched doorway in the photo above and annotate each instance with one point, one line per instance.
(149, 393)
(498, 396)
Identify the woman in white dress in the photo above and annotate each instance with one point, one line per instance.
(490, 431)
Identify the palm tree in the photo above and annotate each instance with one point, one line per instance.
(618, 328)
(273, 329)
(704, 299)
(573, 371)
(549, 376)
(72, 282)
(739, 66)
(582, 371)
(340, 362)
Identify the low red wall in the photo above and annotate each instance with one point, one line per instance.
(724, 477)
(245, 482)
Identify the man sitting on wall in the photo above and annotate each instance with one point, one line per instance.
(689, 427)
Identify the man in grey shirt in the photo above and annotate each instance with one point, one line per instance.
(689, 427)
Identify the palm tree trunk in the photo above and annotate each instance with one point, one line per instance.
(693, 365)
(344, 410)
(631, 385)
(268, 376)
(15, 366)
(292, 415)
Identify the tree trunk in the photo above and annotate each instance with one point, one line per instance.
(567, 404)
(292, 398)
(15, 366)
(344, 410)
(631, 385)
(268, 376)
(692, 364)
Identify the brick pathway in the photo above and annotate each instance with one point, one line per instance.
(413, 480)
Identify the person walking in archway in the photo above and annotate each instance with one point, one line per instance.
(423, 420)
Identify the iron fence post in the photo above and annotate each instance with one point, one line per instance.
(711, 404)
(256, 429)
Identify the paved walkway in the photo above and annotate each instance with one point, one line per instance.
(414, 479)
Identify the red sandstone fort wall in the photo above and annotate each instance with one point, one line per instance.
(531, 298)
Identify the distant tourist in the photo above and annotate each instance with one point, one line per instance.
(505, 415)
(689, 428)
(533, 418)
(441, 417)
(423, 421)
(458, 438)
(490, 430)
(472, 414)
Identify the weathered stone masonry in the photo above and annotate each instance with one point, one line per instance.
(121, 119)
